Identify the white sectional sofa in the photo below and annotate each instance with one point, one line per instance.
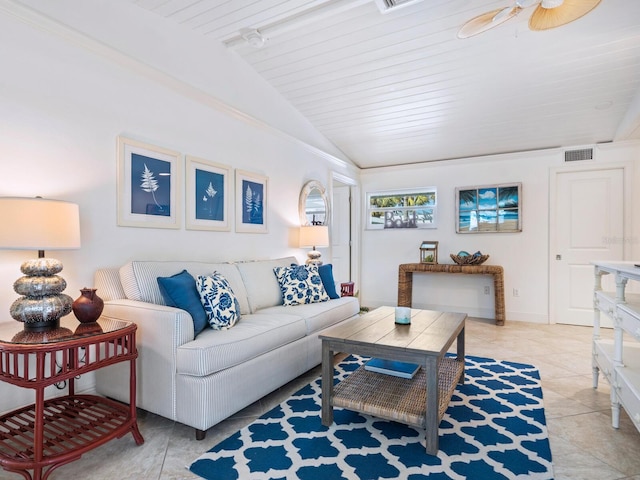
(201, 381)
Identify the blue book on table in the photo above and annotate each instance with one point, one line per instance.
(392, 367)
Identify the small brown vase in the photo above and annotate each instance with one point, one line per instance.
(88, 306)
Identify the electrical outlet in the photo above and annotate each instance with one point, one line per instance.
(487, 290)
(516, 292)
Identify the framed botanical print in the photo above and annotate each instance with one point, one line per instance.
(208, 195)
(489, 208)
(149, 185)
(252, 202)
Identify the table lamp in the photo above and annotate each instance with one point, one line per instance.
(314, 236)
(39, 224)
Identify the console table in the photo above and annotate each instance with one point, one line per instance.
(405, 281)
(50, 433)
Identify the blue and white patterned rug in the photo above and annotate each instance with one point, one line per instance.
(493, 429)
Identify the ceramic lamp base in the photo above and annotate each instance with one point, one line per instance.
(314, 258)
(42, 302)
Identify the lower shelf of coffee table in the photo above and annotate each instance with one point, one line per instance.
(72, 426)
(394, 398)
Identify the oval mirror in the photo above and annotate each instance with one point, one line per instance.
(314, 205)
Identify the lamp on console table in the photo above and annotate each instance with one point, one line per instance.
(314, 236)
(39, 224)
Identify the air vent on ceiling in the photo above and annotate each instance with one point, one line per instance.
(578, 155)
(386, 6)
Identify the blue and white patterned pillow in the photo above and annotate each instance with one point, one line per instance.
(300, 284)
(219, 302)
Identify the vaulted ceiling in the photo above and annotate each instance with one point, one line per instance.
(401, 87)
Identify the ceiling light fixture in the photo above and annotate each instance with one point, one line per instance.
(297, 19)
(253, 38)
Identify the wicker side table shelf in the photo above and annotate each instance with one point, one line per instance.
(397, 399)
(405, 281)
(51, 433)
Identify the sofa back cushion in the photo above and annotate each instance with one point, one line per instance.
(139, 279)
(107, 281)
(261, 283)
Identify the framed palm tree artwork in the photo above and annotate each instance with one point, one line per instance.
(251, 202)
(208, 195)
(149, 185)
(489, 208)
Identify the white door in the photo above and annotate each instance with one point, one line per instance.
(341, 234)
(589, 225)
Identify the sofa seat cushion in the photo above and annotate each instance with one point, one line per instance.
(253, 335)
(318, 316)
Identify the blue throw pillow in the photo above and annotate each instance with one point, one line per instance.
(326, 275)
(219, 301)
(180, 291)
(300, 284)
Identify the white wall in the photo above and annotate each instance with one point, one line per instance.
(65, 98)
(524, 256)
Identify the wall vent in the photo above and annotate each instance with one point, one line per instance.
(578, 155)
(386, 6)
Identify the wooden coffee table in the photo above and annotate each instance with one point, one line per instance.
(420, 401)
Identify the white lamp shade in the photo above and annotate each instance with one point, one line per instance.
(314, 236)
(38, 224)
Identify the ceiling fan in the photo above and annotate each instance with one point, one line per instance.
(548, 14)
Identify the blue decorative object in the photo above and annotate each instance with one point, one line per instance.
(326, 275)
(180, 291)
(300, 284)
(494, 428)
(219, 301)
(464, 258)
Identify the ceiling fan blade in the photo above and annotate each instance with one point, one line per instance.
(545, 18)
(486, 21)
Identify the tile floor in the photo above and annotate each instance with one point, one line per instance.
(583, 443)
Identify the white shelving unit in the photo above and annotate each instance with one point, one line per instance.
(618, 359)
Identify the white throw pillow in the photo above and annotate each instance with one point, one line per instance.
(219, 301)
(301, 284)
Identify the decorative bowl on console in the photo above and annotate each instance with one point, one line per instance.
(464, 258)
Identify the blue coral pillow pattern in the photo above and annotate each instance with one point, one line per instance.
(219, 301)
(300, 284)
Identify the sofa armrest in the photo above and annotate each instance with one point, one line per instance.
(161, 330)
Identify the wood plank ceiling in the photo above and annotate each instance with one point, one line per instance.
(401, 88)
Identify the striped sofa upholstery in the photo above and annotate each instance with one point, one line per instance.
(201, 381)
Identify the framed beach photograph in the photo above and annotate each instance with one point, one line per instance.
(251, 202)
(149, 185)
(399, 209)
(489, 208)
(207, 195)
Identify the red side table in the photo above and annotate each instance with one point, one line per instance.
(50, 433)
